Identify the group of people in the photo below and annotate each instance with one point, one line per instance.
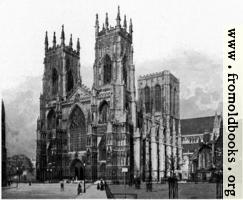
(101, 185)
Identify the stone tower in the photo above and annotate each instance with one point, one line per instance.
(113, 97)
(158, 103)
(61, 78)
(62, 68)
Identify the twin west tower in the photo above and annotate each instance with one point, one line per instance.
(101, 130)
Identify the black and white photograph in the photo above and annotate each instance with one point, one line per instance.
(113, 99)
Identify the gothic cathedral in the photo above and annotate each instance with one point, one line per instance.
(95, 133)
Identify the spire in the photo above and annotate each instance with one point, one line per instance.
(96, 25)
(118, 18)
(106, 21)
(78, 46)
(125, 22)
(71, 42)
(62, 36)
(54, 40)
(130, 27)
(46, 42)
(97, 21)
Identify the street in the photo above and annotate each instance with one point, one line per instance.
(50, 191)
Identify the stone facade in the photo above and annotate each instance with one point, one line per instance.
(202, 147)
(101, 130)
(159, 125)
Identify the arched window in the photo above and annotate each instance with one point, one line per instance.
(107, 69)
(69, 81)
(69, 77)
(54, 81)
(88, 157)
(77, 130)
(147, 99)
(157, 98)
(104, 108)
(51, 119)
(124, 68)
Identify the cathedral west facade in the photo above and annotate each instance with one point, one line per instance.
(101, 130)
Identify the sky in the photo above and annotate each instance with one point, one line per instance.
(184, 37)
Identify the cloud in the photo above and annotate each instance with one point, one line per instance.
(22, 109)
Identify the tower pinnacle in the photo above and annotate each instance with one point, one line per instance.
(46, 42)
(118, 18)
(106, 21)
(62, 36)
(130, 27)
(71, 42)
(125, 22)
(78, 46)
(54, 39)
(96, 25)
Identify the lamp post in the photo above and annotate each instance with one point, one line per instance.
(51, 174)
(17, 170)
(84, 178)
(48, 174)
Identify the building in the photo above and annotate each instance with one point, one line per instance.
(202, 144)
(95, 132)
(159, 124)
(4, 149)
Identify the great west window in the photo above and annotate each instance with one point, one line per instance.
(77, 130)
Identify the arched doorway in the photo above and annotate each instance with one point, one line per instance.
(77, 169)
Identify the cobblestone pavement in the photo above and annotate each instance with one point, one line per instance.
(50, 191)
(160, 191)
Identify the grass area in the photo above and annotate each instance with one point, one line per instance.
(160, 191)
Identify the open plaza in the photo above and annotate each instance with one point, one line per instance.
(159, 191)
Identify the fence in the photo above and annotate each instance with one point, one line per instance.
(173, 188)
(219, 187)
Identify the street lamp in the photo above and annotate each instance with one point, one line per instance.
(17, 170)
(84, 178)
(51, 174)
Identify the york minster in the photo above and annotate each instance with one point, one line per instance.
(98, 131)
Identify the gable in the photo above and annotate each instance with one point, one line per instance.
(80, 93)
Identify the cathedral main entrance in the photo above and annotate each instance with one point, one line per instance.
(77, 169)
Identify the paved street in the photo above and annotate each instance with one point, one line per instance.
(160, 191)
(51, 191)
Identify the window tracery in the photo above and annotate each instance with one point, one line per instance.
(107, 69)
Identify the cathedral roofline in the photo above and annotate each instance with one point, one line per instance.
(157, 74)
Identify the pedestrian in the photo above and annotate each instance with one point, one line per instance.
(98, 186)
(62, 185)
(29, 182)
(79, 188)
(101, 185)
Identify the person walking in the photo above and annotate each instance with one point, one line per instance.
(62, 185)
(79, 188)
